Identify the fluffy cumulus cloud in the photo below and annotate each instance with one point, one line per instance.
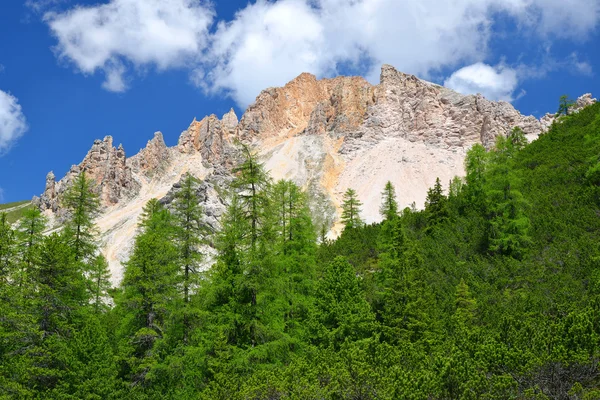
(12, 121)
(143, 33)
(269, 42)
(495, 83)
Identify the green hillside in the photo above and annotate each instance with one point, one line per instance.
(15, 210)
(491, 292)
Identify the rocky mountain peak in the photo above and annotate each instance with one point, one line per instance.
(152, 158)
(230, 121)
(106, 166)
(327, 135)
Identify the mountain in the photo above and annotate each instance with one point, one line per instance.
(326, 135)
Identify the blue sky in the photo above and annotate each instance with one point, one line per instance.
(72, 71)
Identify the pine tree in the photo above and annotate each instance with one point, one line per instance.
(189, 231)
(351, 210)
(389, 205)
(30, 234)
(564, 105)
(252, 184)
(509, 226)
(436, 205)
(476, 164)
(82, 204)
(60, 288)
(58, 298)
(342, 312)
(99, 283)
(517, 139)
(296, 253)
(7, 249)
(148, 289)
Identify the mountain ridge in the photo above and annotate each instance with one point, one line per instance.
(326, 135)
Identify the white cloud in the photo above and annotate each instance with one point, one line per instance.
(12, 121)
(160, 33)
(579, 66)
(1, 195)
(267, 43)
(494, 83)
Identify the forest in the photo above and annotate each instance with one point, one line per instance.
(492, 291)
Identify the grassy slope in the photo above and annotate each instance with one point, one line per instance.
(16, 209)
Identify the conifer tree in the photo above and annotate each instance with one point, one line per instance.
(82, 204)
(509, 226)
(517, 139)
(148, 289)
(296, 253)
(466, 305)
(30, 234)
(188, 233)
(60, 288)
(351, 210)
(436, 205)
(564, 105)
(58, 299)
(342, 312)
(389, 205)
(7, 249)
(251, 184)
(99, 283)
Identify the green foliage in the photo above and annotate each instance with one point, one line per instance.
(82, 204)
(389, 205)
(342, 313)
(564, 105)
(351, 210)
(189, 230)
(99, 283)
(490, 292)
(436, 205)
(148, 288)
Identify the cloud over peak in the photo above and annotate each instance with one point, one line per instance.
(494, 83)
(267, 43)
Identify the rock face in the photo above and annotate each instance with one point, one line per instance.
(106, 166)
(326, 135)
(151, 159)
(580, 104)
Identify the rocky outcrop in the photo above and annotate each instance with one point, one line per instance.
(581, 102)
(152, 158)
(48, 199)
(337, 104)
(106, 166)
(210, 137)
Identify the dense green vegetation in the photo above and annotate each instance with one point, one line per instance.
(492, 291)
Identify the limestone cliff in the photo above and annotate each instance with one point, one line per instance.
(326, 135)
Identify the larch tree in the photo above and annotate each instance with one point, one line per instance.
(7, 249)
(251, 185)
(389, 204)
(30, 234)
(99, 283)
(436, 205)
(82, 204)
(189, 232)
(351, 210)
(148, 289)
